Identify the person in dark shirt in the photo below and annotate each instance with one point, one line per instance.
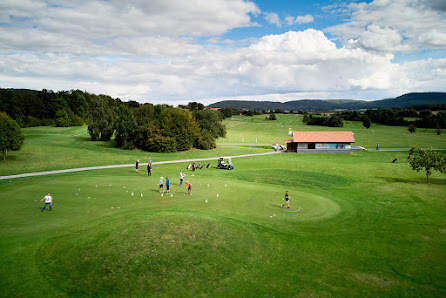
(287, 200)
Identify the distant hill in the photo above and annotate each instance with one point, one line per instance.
(403, 101)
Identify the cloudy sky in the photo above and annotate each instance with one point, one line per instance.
(176, 51)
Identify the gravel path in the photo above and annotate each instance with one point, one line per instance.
(127, 165)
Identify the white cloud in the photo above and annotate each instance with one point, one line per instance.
(289, 20)
(308, 18)
(397, 25)
(151, 51)
(273, 18)
(303, 62)
(98, 21)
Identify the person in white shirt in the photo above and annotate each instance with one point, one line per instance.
(181, 178)
(48, 201)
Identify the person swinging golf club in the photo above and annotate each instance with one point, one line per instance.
(189, 187)
(287, 200)
(48, 201)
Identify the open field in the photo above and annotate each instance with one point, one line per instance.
(244, 129)
(54, 148)
(51, 148)
(363, 226)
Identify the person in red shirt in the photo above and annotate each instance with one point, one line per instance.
(189, 187)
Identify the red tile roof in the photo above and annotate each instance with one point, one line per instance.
(323, 137)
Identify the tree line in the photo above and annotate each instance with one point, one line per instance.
(158, 128)
(425, 118)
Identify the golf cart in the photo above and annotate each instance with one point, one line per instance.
(223, 166)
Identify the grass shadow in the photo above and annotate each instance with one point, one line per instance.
(435, 181)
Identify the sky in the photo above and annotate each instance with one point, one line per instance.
(175, 51)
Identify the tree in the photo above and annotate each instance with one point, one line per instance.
(334, 121)
(125, 127)
(210, 123)
(11, 136)
(272, 116)
(428, 160)
(305, 118)
(366, 121)
(101, 116)
(62, 119)
(412, 128)
(195, 105)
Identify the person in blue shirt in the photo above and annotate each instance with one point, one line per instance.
(167, 185)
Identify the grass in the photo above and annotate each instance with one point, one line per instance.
(54, 148)
(251, 129)
(365, 227)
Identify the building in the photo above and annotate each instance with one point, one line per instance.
(321, 142)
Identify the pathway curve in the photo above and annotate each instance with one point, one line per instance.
(128, 165)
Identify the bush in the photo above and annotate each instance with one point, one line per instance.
(62, 119)
(77, 121)
(160, 143)
(205, 142)
(366, 121)
(412, 128)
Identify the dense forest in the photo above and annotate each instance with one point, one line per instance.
(163, 128)
(159, 128)
(314, 105)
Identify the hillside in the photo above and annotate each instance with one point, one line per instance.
(403, 101)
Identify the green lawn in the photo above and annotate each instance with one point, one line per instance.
(55, 148)
(243, 129)
(362, 225)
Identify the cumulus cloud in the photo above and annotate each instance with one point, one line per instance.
(308, 18)
(98, 21)
(304, 62)
(393, 26)
(273, 18)
(153, 51)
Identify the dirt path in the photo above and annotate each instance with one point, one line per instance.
(127, 165)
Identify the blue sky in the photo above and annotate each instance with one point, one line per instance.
(169, 51)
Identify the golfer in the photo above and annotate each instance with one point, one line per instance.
(167, 185)
(181, 178)
(287, 200)
(161, 185)
(48, 201)
(189, 187)
(149, 169)
(137, 165)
